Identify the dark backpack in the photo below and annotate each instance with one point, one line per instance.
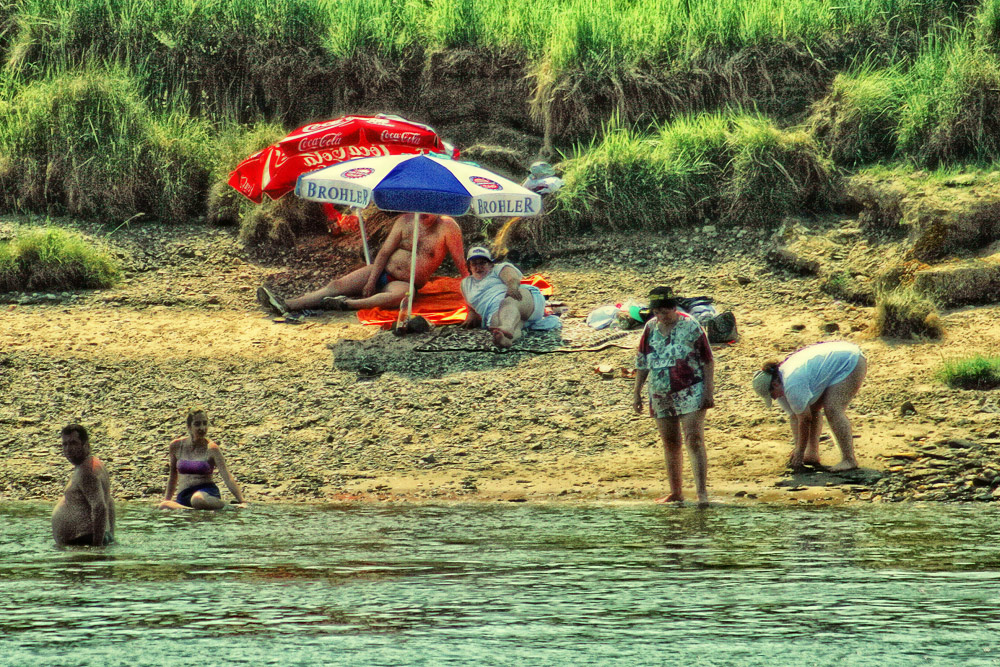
(722, 328)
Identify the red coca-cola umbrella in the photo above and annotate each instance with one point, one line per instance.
(274, 170)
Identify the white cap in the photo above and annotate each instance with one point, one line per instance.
(762, 385)
(479, 251)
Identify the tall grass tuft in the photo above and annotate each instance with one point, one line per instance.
(198, 54)
(279, 223)
(986, 25)
(233, 143)
(275, 223)
(950, 110)
(53, 258)
(181, 150)
(85, 144)
(943, 109)
(901, 313)
(858, 120)
(373, 27)
(772, 173)
(8, 23)
(271, 223)
(631, 179)
(976, 372)
(730, 166)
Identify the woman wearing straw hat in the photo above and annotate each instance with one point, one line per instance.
(824, 376)
(675, 356)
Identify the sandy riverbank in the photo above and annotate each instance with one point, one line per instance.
(298, 424)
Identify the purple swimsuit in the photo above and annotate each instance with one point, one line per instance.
(194, 467)
(191, 467)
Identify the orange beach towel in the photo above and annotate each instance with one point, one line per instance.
(440, 302)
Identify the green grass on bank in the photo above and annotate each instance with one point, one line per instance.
(111, 109)
(53, 259)
(86, 144)
(977, 372)
(238, 57)
(943, 109)
(732, 167)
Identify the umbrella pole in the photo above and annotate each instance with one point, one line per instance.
(364, 236)
(413, 264)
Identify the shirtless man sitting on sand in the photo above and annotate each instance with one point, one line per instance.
(385, 282)
(85, 515)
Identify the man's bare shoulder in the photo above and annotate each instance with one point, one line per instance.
(97, 465)
(90, 472)
(403, 220)
(447, 226)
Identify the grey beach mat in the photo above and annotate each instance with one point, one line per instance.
(573, 337)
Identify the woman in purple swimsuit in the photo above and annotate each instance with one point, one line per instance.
(193, 459)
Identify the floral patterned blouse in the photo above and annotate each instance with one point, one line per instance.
(676, 361)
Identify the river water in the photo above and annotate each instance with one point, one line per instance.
(498, 584)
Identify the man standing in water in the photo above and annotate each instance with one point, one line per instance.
(85, 515)
(385, 282)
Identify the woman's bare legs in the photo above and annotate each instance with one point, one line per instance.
(199, 501)
(835, 401)
(693, 425)
(670, 435)
(811, 454)
(510, 317)
(172, 505)
(694, 438)
(206, 501)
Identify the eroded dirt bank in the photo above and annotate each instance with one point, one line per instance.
(298, 424)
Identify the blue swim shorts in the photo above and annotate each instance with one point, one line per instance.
(384, 279)
(184, 497)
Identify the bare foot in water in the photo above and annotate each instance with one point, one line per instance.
(172, 505)
(672, 498)
(844, 466)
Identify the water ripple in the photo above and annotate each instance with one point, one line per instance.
(456, 584)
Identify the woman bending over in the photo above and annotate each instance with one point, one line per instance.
(824, 376)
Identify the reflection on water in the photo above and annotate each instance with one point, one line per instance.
(499, 584)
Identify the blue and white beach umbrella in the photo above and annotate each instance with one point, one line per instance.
(419, 184)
